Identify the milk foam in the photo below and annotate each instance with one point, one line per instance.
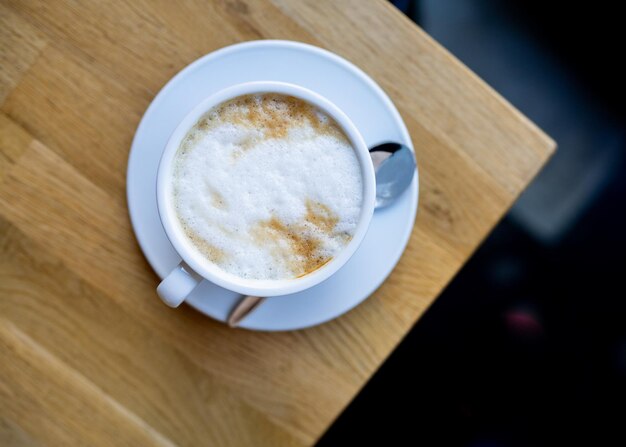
(267, 187)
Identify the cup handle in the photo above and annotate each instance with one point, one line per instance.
(176, 286)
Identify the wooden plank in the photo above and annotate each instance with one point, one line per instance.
(51, 401)
(14, 140)
(12, 434)
(62, 100)
(21, 45)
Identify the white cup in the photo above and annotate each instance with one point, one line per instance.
(194, 268)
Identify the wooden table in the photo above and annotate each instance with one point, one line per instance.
(88, 353)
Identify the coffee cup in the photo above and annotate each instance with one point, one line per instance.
(195, 266)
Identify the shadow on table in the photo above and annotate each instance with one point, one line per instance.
(527, 346)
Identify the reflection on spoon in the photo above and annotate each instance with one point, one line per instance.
(394, 164)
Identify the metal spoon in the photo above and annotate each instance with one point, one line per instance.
(394, 164)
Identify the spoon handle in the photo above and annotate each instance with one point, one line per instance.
(241, 310)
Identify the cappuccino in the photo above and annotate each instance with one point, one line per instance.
(267, 187)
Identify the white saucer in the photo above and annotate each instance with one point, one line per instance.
(333, 77)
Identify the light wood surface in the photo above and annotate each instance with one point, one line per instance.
(88, 353)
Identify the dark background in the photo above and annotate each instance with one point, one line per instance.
(527, 346)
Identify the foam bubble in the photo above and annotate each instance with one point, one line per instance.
(267, 187)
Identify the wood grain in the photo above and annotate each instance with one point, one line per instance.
(88, 354)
